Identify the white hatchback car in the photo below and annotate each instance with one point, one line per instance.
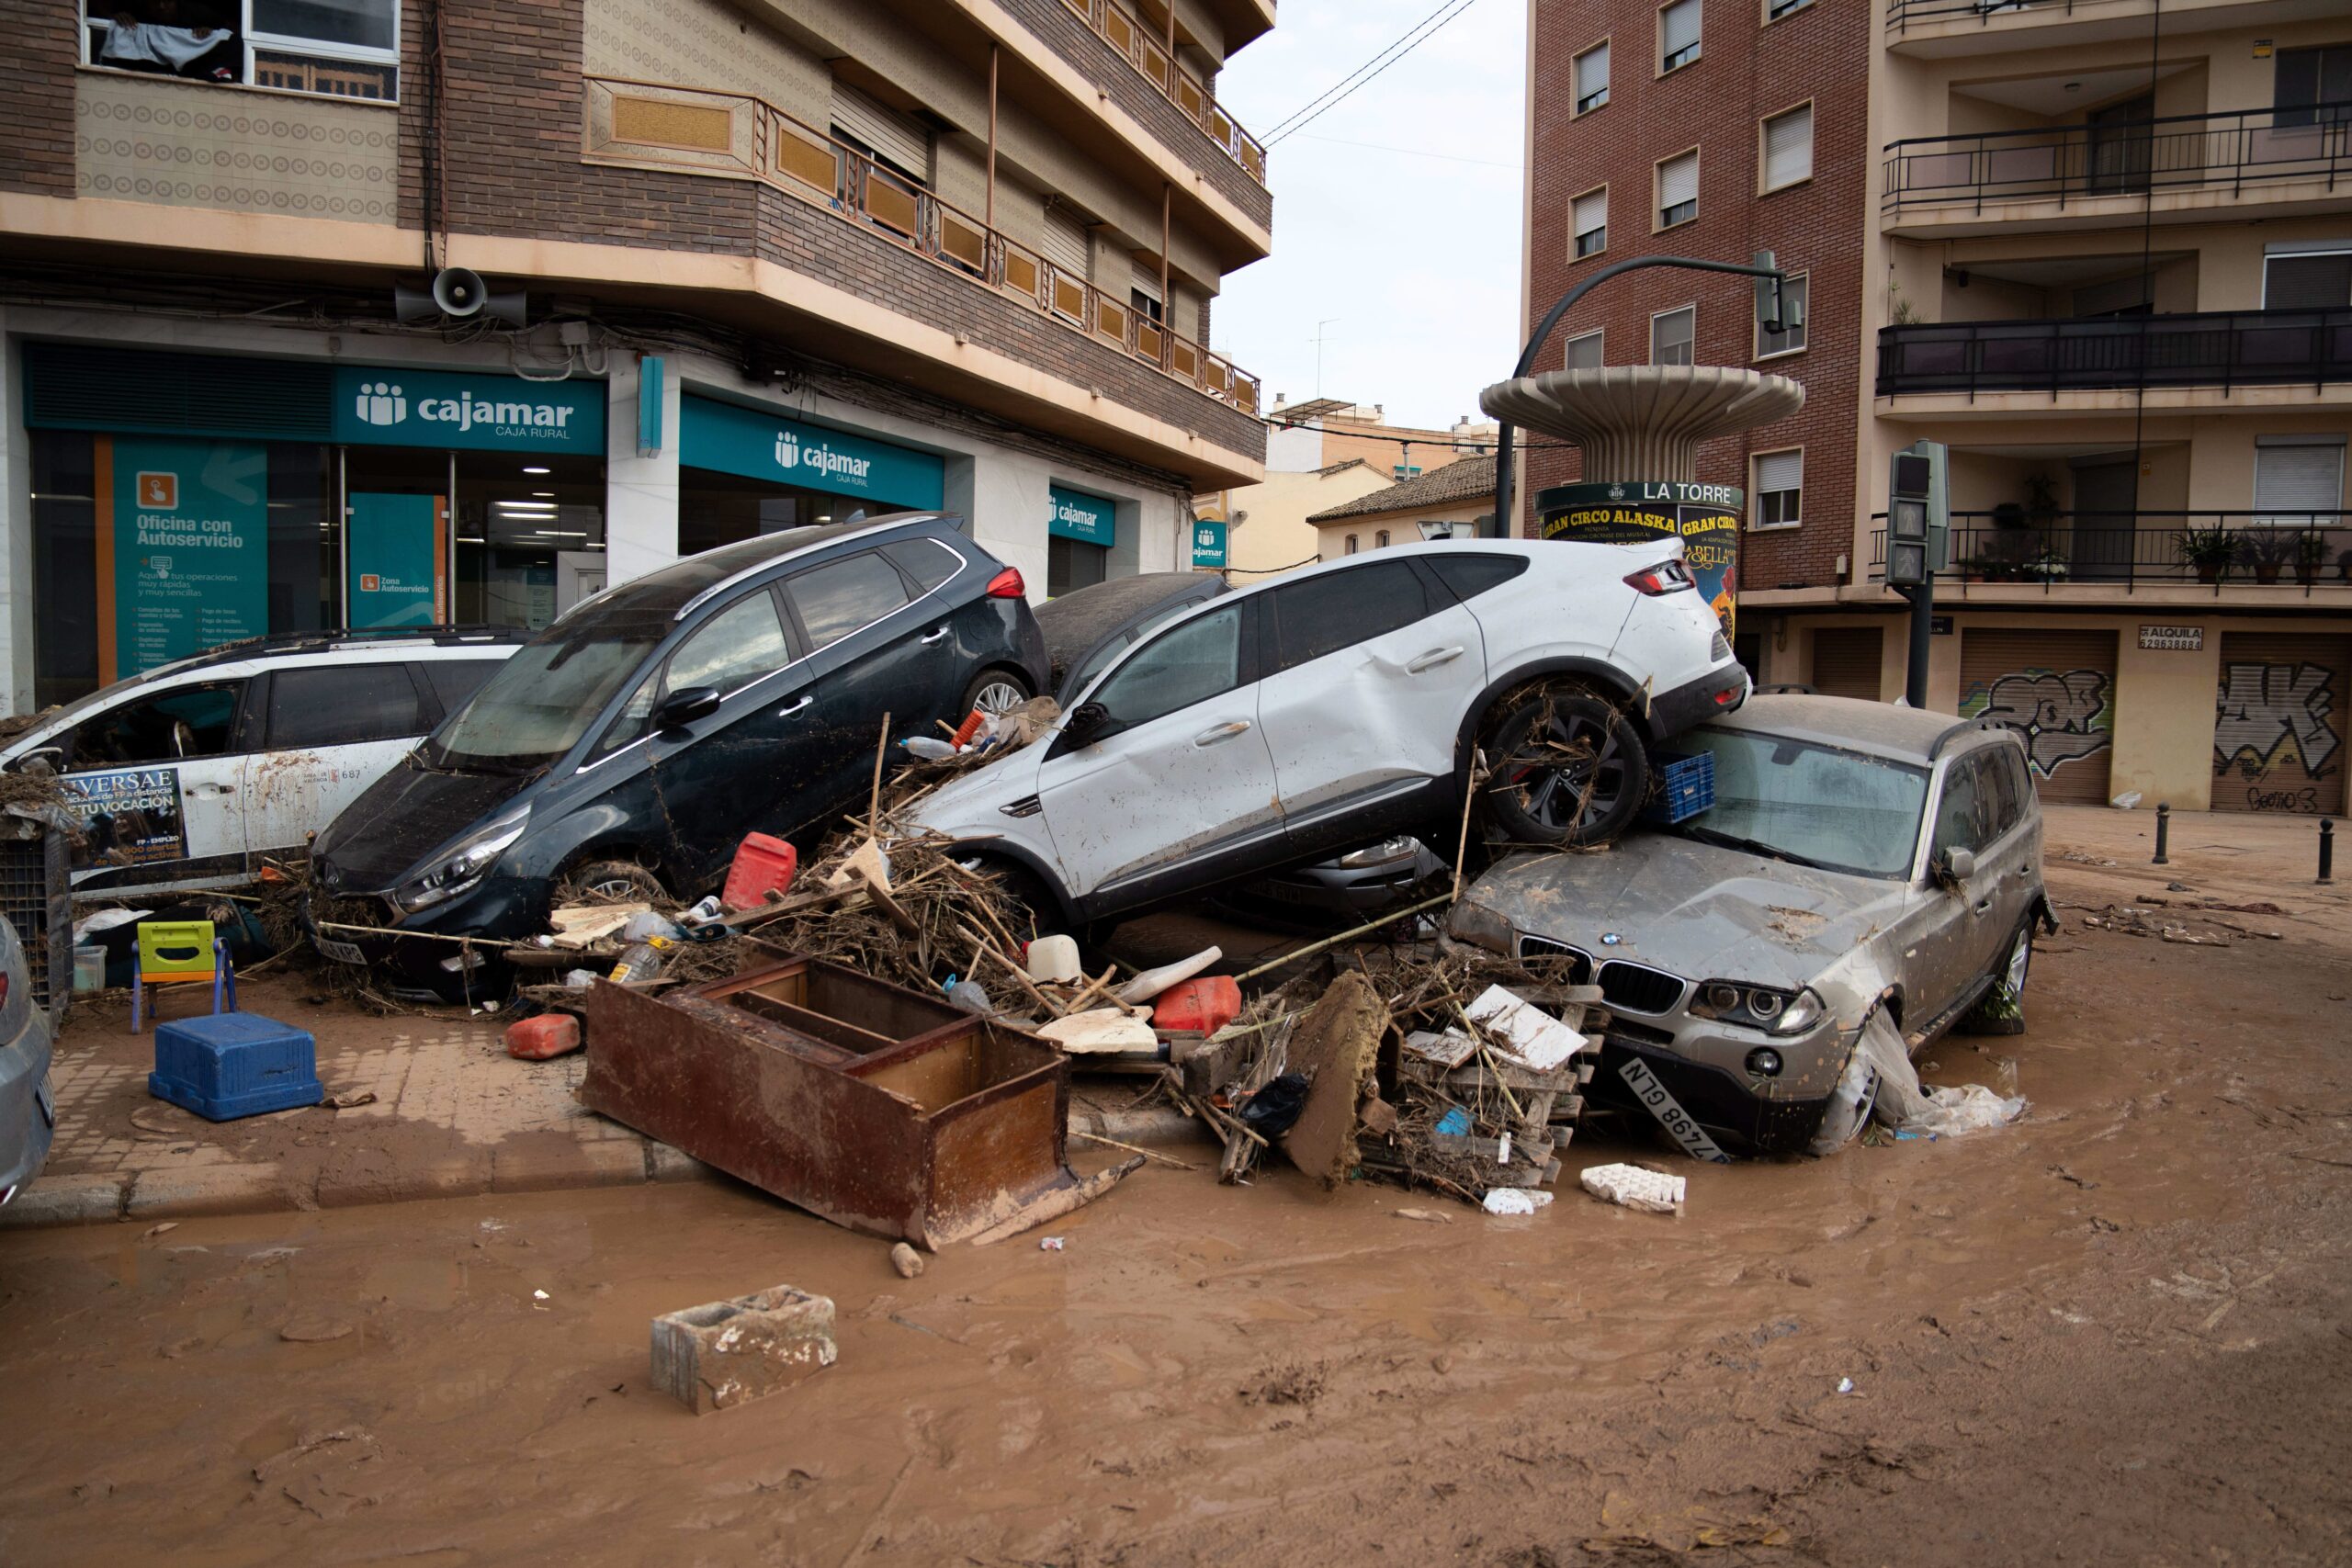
(1277, 725)
(185, 776)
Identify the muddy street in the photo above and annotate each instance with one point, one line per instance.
(2117, 1331)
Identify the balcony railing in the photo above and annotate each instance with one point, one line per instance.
(2065, 163)
(2145, 550)
(2210, 348)
(1903, 14)
(802, 162)
(1125, 33)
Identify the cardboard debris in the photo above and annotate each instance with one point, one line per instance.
(1101, 1029)
(1448, 1049)
(584, 925)
(1336, 1046)
(1536, 1039)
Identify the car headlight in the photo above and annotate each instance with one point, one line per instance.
(1761, 1006)
(1482, 927)
(1381, 853)
(463, 867)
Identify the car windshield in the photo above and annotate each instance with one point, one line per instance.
(543, 700)
(1814, 805)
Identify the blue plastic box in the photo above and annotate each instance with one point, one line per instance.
(234, 1064)
(1686, 786)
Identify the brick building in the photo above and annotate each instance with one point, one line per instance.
(749, 266)
(2102, 253)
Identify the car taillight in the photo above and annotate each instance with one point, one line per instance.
(1665, 577)
(4, 988)
(1007, 584)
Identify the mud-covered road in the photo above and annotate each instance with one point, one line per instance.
(2120, 1331)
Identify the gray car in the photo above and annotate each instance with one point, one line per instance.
(27, 1112)
(1858, 857)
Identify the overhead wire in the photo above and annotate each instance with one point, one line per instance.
(1347, 86)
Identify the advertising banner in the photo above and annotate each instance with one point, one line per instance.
(1705, 517)
(187, 547)
(1208, 544)
(130, 818)
(1074, 514)
(399, 550)
(759, 445)
(378, 407)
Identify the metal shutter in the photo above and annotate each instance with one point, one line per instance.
(2057, 690)
(898, 138)
(2278, 723)
(1788, 148)
(1066, 245)
(2294, 480)
(1592, 212)
(1847, 661)
(1680, 29)
(1780, 470)
(1677, 181)
(1593, 73)
(1147, 283)
(2313, 282)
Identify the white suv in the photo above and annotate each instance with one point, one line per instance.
(1274, 726)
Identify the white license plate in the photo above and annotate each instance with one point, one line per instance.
(1669, 1112)
(341, 951)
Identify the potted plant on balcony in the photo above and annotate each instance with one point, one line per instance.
(2310, 552)
(2211, 550)
(2344, 567)
(2268, 551)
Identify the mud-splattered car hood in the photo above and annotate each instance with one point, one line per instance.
(1698, 911)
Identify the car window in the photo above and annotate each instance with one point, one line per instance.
(175, 726)
(1101, 659)
(2020, 781)
(734, 647)
(1186, 664)
(634, 719)
(2006, 806)
(1813, 803)
(455, 679)
(1965, 810)
(342, 705)
(836, 600)
(1324, 615)
(928, 562)
(1469, 575)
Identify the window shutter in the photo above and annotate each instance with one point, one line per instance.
(1592, 212)
(1780, 470)
(1593, 73)
(1788, 148)
(1066, 245)
(1677, 181)
(1147, 283)
(1584, 352)
(897, 137)
(2298, 480)
(2320, 281)
(1680, 29)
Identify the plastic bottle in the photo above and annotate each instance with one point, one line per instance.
(639, 961)
(928, 748)
(646, 926)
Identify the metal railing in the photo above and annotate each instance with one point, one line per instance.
(1124, 31)
(2224, 151)
(2206, 348)
(2136, 549)
(1902, 13)
(803, 162)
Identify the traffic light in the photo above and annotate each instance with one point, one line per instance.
(1918, 534)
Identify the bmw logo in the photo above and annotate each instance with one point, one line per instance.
(1610, 939)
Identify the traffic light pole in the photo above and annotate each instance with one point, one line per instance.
(1923, 622)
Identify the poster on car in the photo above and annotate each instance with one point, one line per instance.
(130, 818)
(1705, 517)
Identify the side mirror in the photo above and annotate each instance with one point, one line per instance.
(684, 706)
(39, 761)
(1960, 865)
(1085, 719)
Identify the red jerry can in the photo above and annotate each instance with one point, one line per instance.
(763, 865)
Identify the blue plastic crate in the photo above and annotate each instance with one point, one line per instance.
(1686, 786)
(234, 1064)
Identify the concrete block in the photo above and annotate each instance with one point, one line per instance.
(206, 1190)
(729, 1353)
(67, 1201)
(538, 1166)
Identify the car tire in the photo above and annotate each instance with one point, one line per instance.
(993, 692)
(1855, 1099)
(2001, 1010)
(1565, 766)
(622, 881)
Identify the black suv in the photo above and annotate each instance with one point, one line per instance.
(650, 727)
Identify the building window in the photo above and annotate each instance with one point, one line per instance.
(2311, 85)
(1348, 547)
(2298, 480)
(1380, 540)
(1583, 352)
(2307, 280)
(1788, 148)
(1073, 563)
(1790, 336)
(342, 49)
(1780, 489)
(1672, 333)
(1678, 190)
(1678, 35)
(1591, 222)
(1775, 9)
(1592, 77)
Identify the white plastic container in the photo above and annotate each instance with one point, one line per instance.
(89, 970)
(1054, 958)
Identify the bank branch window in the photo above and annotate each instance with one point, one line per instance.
(339, 49)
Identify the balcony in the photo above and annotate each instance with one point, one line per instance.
(2250, 163)
(1936, 28)
(2137, 552)
(2221, 349)
(646, 124)
(1129, 38)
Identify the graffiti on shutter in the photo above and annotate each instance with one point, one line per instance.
(2057, 691)
(2278, 738)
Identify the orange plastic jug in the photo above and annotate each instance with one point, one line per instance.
(763, 865)
(1205, 1006)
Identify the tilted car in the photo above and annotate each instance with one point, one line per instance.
(1272, 726)
(27, 1109)
(1858, 857)
(631, 745)
(187, 775)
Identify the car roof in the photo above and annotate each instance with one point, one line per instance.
(677, 588)
(1883, 730)
(1074, 622)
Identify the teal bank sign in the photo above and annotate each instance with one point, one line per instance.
(1074, 514)
(376, 407)
(758, 445)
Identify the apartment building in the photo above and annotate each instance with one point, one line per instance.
(744, 266)
(2101, 250)
(1457, 501)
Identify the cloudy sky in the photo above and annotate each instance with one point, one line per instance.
(1396, 212)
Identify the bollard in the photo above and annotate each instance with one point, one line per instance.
(2163, 831)
(2326, 851)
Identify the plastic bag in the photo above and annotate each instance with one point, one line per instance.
(1969, 1108)
(1275, 1108)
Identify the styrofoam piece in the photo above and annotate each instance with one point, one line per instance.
(1151, 982)
(1538, 1041)
(1516, 1199)
(1650, 1190)
(1101, 1029)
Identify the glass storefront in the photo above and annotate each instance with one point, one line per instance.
(1080, 528)
(717, 509)
(747, 471)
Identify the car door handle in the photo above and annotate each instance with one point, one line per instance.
(1432, 658)
(1984, 906)
(210, 791)
(934, 637)
(796, 707)
(1221, 732)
